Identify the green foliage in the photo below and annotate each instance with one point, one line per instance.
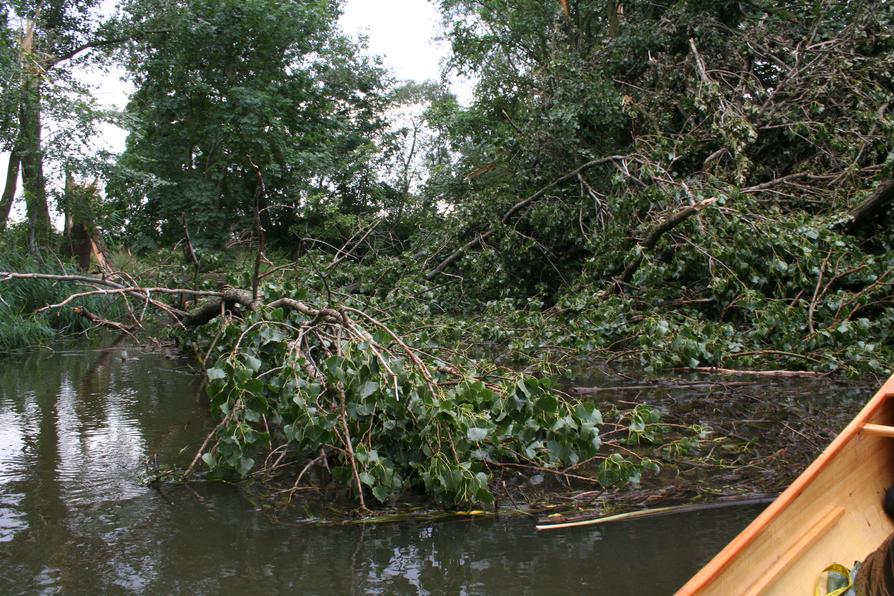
(279, 386)
(696, 111)
(224, 88)
(9, 81)
(20, 326)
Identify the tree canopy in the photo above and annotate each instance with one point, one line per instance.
(229, 91)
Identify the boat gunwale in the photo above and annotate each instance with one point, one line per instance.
(712, 570)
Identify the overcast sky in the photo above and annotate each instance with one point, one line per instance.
(404, 32)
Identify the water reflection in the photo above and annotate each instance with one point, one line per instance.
(76, 429)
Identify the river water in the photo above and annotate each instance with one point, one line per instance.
(80, 428)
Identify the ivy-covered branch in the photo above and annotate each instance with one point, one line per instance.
(292, 379)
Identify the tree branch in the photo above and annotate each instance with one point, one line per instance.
(95, 43)
(521, 205)
(659, 230)
(869, 210)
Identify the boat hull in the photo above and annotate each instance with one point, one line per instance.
(832, 513)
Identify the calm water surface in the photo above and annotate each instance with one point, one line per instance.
(78, 429)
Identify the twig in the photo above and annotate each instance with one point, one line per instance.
(757, 373)
(816, 293)
(259, 230)
(304, 470)
(657, 386)
(96, 319)
(658, 511)
(188, 472)
(348, 446)
(735, 355)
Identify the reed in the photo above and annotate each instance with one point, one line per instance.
(20, 326)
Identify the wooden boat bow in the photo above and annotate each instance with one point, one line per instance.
(832, 513)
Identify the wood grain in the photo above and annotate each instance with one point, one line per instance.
(851, 474)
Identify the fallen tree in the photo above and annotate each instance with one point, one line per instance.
(298, 386)
(517, 208)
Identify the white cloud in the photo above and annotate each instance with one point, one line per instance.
(402, 31)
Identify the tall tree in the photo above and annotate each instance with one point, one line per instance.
(52, 34)
(227, 89)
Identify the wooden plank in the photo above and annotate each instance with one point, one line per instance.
(879, 430)
(795, 551)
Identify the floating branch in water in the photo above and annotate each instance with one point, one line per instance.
(658, 511)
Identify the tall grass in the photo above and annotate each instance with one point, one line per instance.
(22, 327)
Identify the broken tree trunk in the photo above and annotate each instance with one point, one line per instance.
(868, 212)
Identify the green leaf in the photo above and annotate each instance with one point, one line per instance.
(255, 387)
(245, 465)
(381, 493)
(368, 389)
(252, 363)
(547, 404)
(215, 374)
(476, 435)
(209, 460)
(532, 449)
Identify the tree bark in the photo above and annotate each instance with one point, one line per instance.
(209, 309)
(9, 189)
(614, 27)
(31, 157)
(868, 212)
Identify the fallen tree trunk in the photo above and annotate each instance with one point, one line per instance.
(209, 309)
